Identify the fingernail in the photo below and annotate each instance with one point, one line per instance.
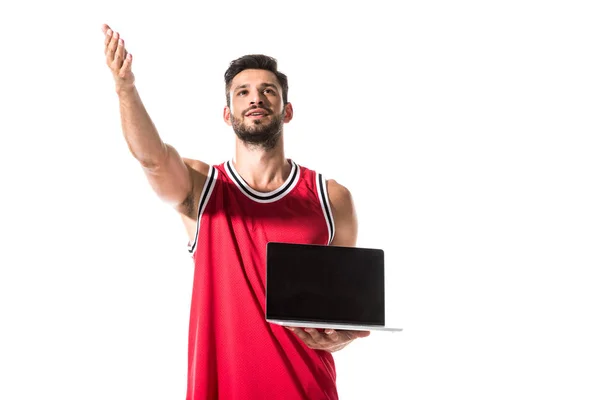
(329, 331)
(109, 32)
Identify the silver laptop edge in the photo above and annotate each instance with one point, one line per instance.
(334, 326)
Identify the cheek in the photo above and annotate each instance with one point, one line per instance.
(236, 110)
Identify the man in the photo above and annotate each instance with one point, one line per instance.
(230, 212)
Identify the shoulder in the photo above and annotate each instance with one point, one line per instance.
(339, 196)
(197, 165)
(338, 193)
(199, 171)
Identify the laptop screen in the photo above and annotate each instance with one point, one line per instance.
(318, 283)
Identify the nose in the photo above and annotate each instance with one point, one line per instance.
(256, 99)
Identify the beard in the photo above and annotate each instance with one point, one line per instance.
(259, 133)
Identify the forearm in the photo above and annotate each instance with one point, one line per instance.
(140, 133)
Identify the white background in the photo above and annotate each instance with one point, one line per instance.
(467, 132)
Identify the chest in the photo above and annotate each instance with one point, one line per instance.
(296, 218)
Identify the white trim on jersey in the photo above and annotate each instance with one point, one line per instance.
(324, 199)
(261, 197)
(209, 185)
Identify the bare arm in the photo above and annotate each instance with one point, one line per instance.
(344, 215)
(172, 177)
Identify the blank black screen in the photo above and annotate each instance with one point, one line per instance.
(325, 284)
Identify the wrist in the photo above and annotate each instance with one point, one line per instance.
(125, 89)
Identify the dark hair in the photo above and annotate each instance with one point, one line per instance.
(255, 61)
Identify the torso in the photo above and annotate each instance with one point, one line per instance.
(233, 351)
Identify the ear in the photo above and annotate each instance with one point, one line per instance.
(289, 112)
(227, 115)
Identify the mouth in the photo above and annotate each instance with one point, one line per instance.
(257, 114)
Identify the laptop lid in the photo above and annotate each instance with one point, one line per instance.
(330, 284)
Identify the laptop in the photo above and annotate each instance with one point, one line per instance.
(325, 287)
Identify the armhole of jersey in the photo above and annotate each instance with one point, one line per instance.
(204, 196)
(324, 198)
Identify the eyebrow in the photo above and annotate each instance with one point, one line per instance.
(245, 85)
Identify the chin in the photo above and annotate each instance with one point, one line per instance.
(257, 124)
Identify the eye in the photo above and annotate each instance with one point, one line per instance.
(242, 92)
(269, 90)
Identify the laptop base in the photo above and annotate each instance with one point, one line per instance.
(326, 325)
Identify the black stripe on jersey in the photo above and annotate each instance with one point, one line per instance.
(208, 186)
(328, 214)
(242, 185)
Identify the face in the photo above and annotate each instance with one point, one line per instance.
(256, 111)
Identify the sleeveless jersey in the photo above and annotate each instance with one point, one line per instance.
(233, 352)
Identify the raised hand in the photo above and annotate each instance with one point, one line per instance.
(118, 59)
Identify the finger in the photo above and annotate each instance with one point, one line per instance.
(105, 27)
(107, 37)
(112, 48)
(357, 334)
(306, 338)
(332, 334)
(120, 53)
(317, 336)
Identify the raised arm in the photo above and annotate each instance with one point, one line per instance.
(173, 178)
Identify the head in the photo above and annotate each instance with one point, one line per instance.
(257, 104)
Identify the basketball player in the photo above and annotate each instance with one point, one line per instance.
(230, 212)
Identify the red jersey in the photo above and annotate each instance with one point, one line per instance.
(233, 352)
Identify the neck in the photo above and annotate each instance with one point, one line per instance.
(263, 170)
